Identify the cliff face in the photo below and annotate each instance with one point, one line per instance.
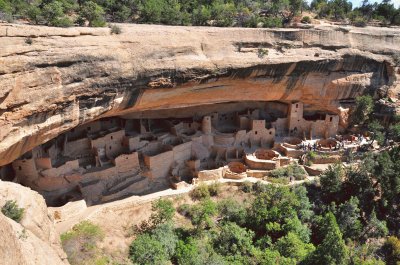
(68, 77)
(33, 240)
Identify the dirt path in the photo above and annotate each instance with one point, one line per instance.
(90, 213)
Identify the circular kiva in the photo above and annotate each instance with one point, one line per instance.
(265, 154)
(237, 167)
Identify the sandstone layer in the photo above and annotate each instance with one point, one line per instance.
(68, 77)
(33, 240)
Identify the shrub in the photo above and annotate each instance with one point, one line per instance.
(63, 22)
(232, 210)
(115, 29)
(391, 249)
(306, 20)
(360, 22)
(260, 187)
(184, 209)
(80, 243)
(272, 22)
(312, 155)
(247, 186)
(12, 211)
(281, 180)
(29, 41)
(200, 192)
(293, 170)
(262, 53)
(163, 211)
(215, 188)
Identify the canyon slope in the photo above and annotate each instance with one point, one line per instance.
(54, 79)
(34, 240)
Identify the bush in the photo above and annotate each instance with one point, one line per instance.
(200, 192)
(29, 41)
(272, 22)
(115, 29)
(260, 187)
(281, 180)
(215, 188)
(247, 186)
(63, 22)
(12, 211)
(262, 53)
(306, 20)
(232, 210)
(80, 243)
(360, 22)
(292, 170)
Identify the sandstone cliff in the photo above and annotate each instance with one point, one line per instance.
(72, 76)
(33, 240)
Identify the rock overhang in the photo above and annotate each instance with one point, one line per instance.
(69, 77)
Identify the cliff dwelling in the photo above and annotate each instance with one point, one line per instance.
(116, 157)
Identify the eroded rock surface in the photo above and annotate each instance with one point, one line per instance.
(68, 77)
(33, 240)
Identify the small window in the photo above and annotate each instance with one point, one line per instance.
(297, 106)
(298, 120)
(126, 158)
(330, 119)
(270, 133)
(19, 167)
(112, 137)
(110, 147)
(89, 128)
(255, 132)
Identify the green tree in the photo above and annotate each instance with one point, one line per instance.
(53, 12)
(201, 15)
(291, 246)
(391, 249)
(304, 210)
(163, 211)
(171, 14)
(348, 218)
(201, 214)
(151, 11)
(375, 129)
(294, 225)
(93, 13)
(375, 227)
(331, 180)
(359, 184)
(197, 251)
(332, 250)
(154, 247)
(147, 250)
(273, 205)
(362, 110)
(233, 240)
(233, 211)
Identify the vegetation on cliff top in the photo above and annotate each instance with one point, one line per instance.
(223, 13)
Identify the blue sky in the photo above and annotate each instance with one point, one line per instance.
(357, 3)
